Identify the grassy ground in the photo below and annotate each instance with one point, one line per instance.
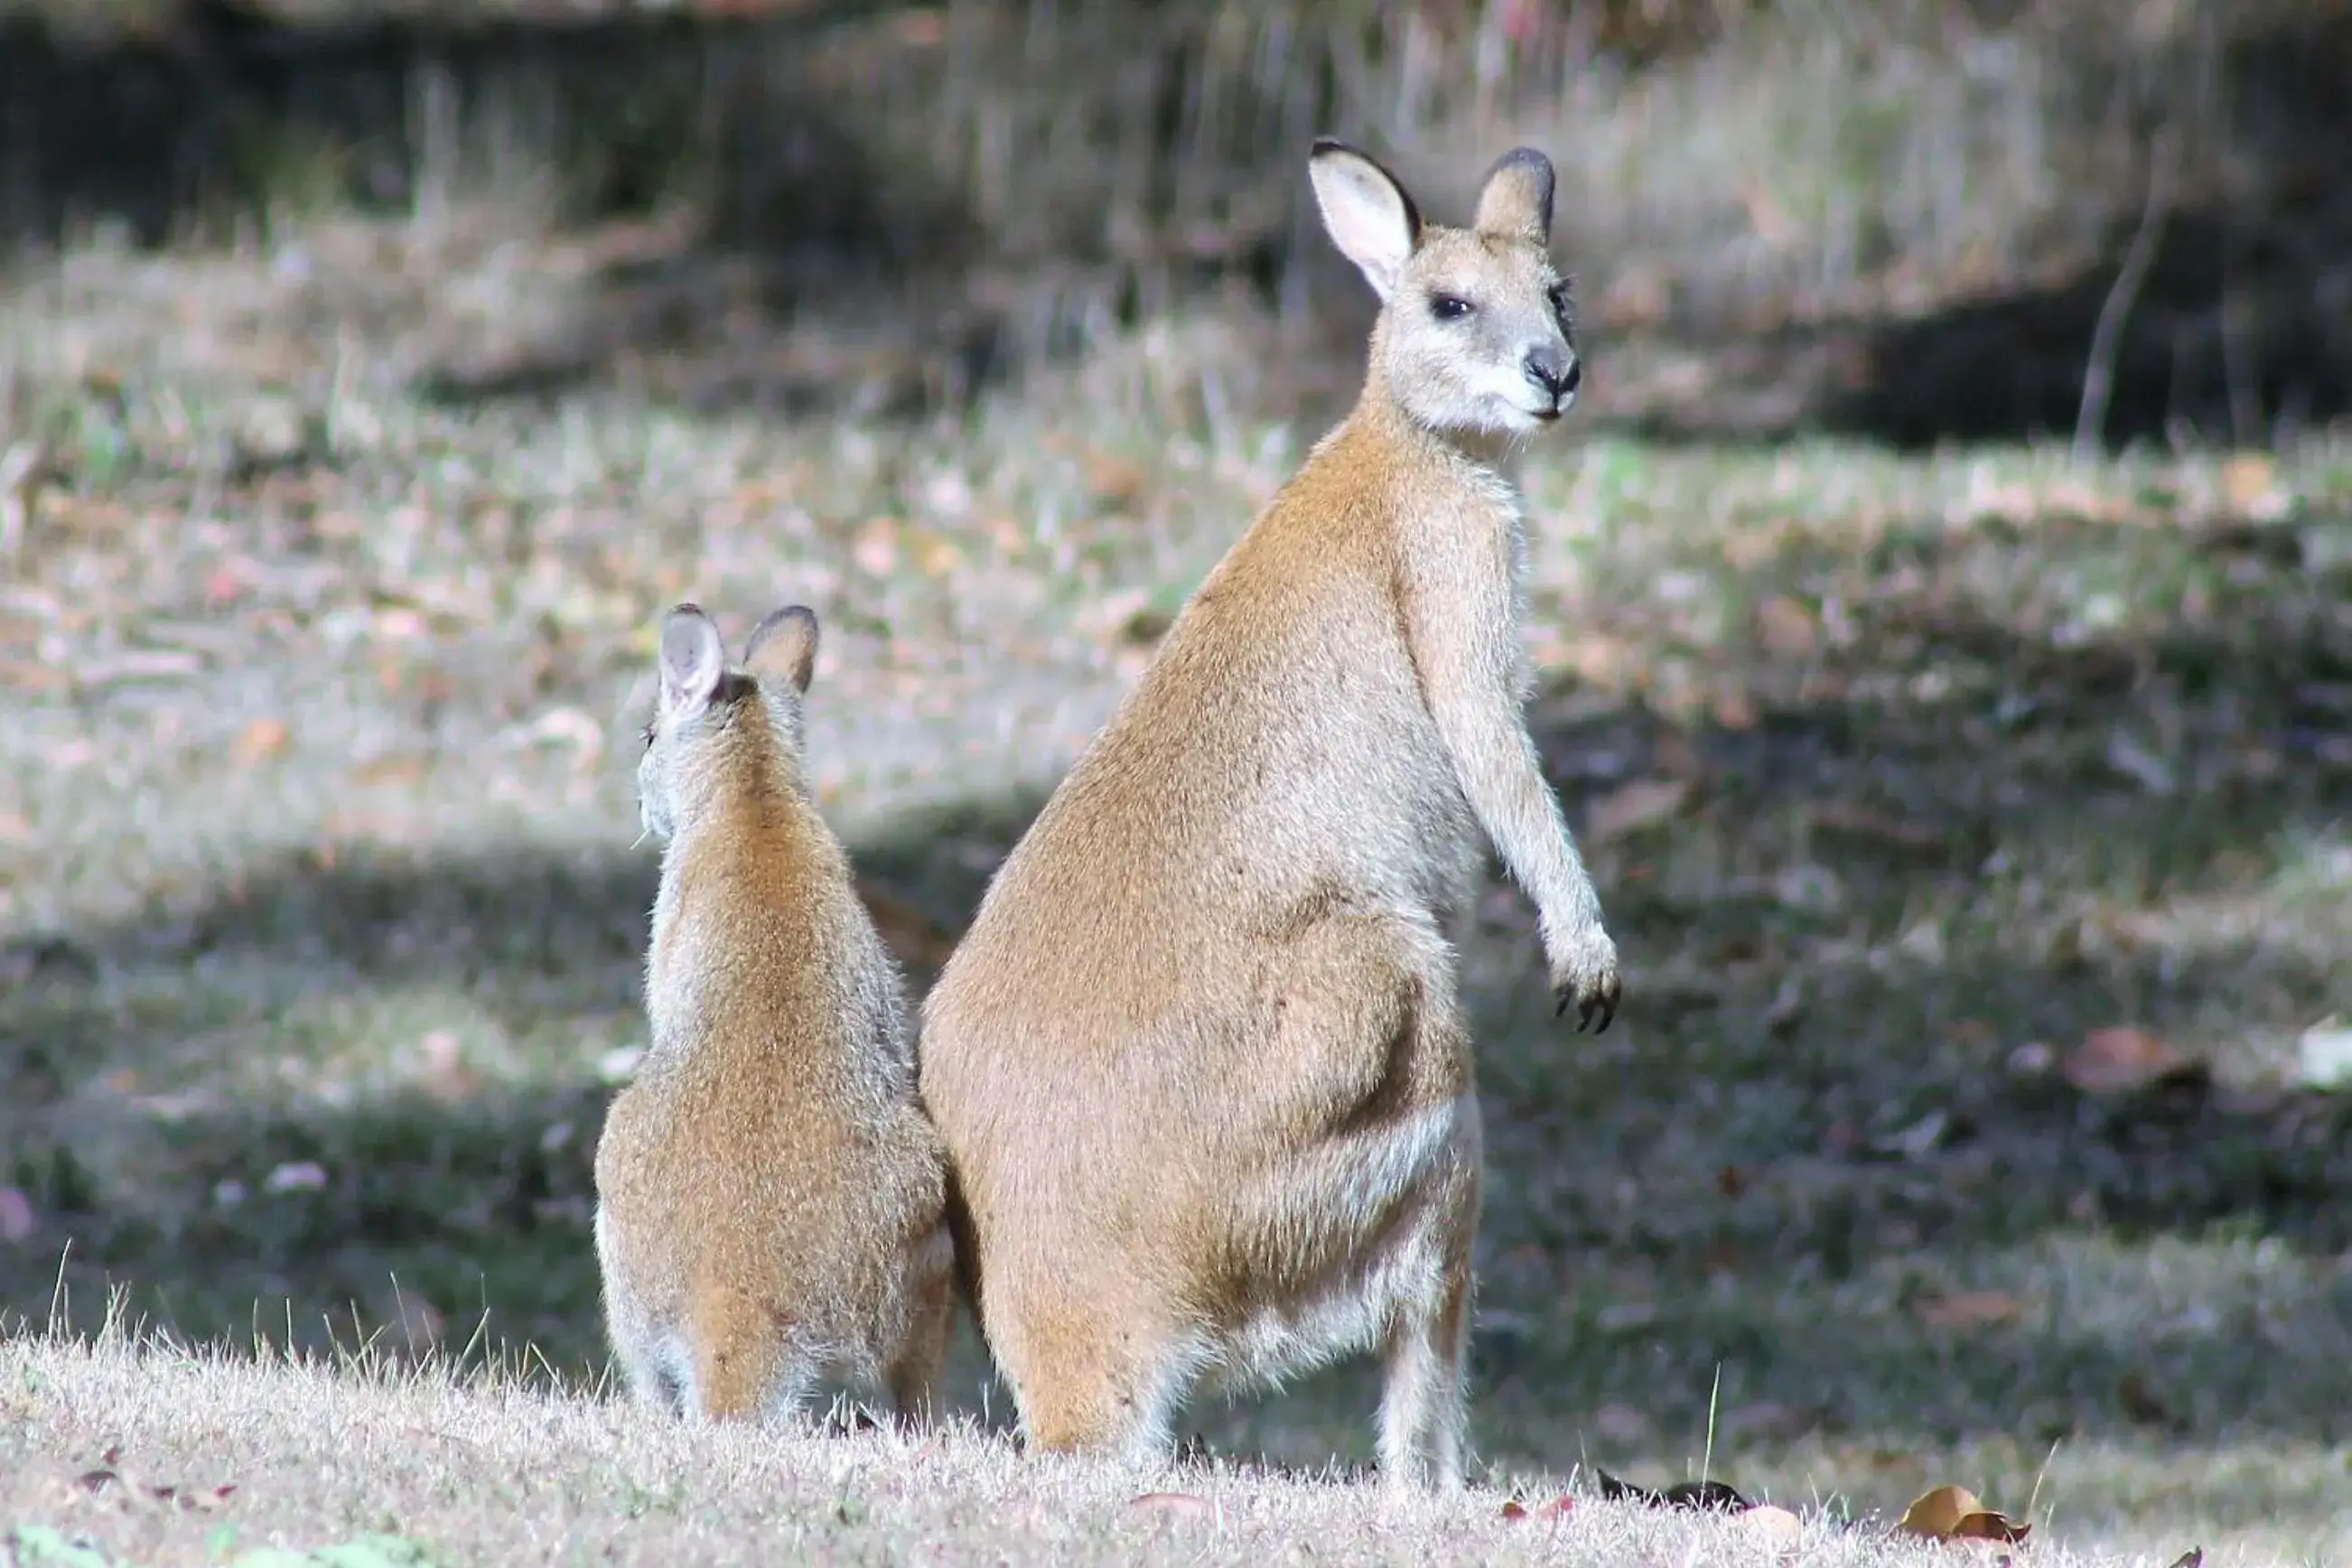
(1902, 779)
(422, 1472)
(425, 1471)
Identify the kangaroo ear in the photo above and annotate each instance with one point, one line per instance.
(783, 646)
(1365, 211)
(1514, 203)
(692, 659)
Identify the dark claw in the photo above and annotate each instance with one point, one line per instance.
(1601, 1002)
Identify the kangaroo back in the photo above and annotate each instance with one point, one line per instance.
(771, 1197)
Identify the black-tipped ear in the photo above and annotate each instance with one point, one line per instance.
(692, 659)
(783, 646)
(1365, 211)
(1515, 201)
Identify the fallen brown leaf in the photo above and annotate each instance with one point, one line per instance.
(1785, 627)
(2250, 484)
(263, 739)
(2120, 1059)
(1775, 1525)
(1601, 660)
(26, 676)
(1864, 823)
(1934, 1512)
(1629, 808)
(393, 769)
(877, 549)
(1990, 1525)
(112, 1480)
(1556, 1509)
(1735, 709)
(445, 1075)
(2069, 500)
(1950, 1513)
(1968, 1310)
(1114, 481)
(935, 555)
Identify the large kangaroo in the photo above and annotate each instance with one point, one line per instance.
(1204, 1081)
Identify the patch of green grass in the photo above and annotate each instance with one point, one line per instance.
(43, 1546)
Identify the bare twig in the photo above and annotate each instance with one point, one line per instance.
(22, 466)
(2237, 368)
(2098, 373)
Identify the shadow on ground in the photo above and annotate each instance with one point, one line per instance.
(2237, 335)
(869, 229)
(1920, 849)
(239, 102)
(2239, 331)
(603, 116)
(457, 1193)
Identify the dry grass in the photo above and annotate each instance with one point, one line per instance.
(491, 1470)
(982, 185)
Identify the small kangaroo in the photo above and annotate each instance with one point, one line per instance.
(769, 1197)
(1204, 1081)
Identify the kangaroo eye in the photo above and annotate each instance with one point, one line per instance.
(648, 735)
(1448, 307)
(1563, 304)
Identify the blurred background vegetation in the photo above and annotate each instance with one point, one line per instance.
(1898, 220)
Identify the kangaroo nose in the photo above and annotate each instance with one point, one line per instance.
(1558, 371)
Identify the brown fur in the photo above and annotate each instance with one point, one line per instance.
(771, 1198)
(1204, 1077)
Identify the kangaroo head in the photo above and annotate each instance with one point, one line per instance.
(1476, 332)
(713, 724)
